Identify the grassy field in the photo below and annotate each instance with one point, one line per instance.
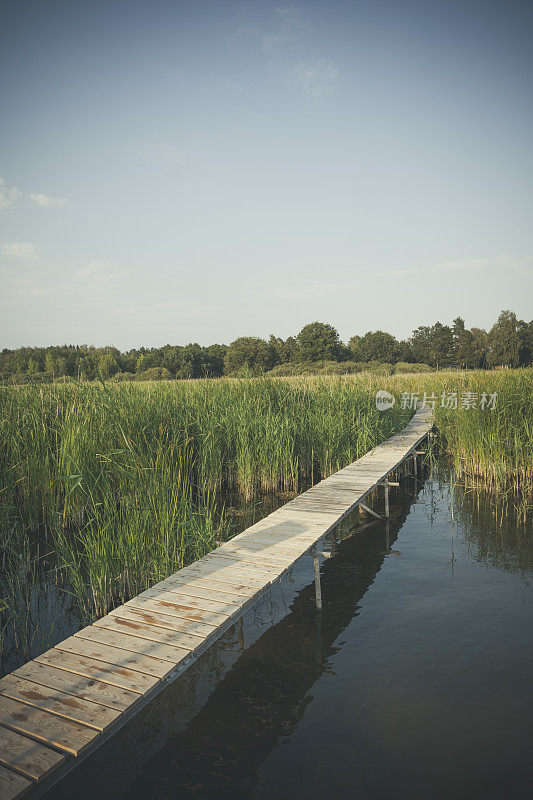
(113, 487)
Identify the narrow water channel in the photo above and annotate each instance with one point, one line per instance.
(413, 682)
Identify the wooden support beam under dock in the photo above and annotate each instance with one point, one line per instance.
(59, 708)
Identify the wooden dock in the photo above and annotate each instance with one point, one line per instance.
(57, 709)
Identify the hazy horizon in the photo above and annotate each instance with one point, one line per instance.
(177, 173)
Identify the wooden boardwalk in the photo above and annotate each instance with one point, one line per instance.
(60, 707)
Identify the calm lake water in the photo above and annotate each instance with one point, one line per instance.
(413, 682)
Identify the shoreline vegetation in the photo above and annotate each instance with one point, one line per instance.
(106, 488)
(316, 349)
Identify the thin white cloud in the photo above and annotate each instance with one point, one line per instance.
(8, 195)
(19, 250)
(12, 196)
(315, 77)
(44, 201)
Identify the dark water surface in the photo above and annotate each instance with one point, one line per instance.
(413, 682)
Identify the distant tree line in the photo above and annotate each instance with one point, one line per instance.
(317, 348)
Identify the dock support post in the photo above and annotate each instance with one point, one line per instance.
(318, 588)
(386, 485)
(415, 466)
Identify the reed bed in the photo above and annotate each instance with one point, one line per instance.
(491, 447)
(123, 484)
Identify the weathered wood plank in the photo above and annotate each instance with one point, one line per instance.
(12, 785)
(206, 588)
(220, 573)
(124, 650)
(87, 688)
(259, 556)
(171, 606)
(159, 619)
(25, 755)
(70, 737)
(143, 655)
(91, 668)
(185, 640)
(228, 573)
(198, 602)
(58, 703)
(270, 543)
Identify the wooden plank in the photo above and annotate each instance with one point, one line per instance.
(274, 550)
(264, 551)
(12, 785)
(91, 668)
(131, 652)
(228, 573)
(204, 588)
(159, 619)
(221, 573)
(139, 651)
(281, 530)
(143, 631)
(55, 702)
(87, 688)
(27, 756)
(70, 737)
(248, 573)
(271, 543)
(256, 557)
(248, 548)
(171, 606)
(194, 601)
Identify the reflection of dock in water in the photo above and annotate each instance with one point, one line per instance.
(66, 702)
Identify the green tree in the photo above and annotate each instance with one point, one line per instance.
(464, 351)
(504, 341)
(374, 346)
(525, 336)
(248, 353)
(420, 344)
(441, 339)
(355, 348)
(107, 366)
(50, 364)
(319, 341)
(215, 355)
(291, 350)
(61, 365)
(33, 367)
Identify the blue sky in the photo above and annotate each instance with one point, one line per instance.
(176, 172)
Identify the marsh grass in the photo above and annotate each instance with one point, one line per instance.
(128, 480)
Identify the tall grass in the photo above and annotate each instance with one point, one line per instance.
(70, 450)
(122, 482)
(491, 448)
